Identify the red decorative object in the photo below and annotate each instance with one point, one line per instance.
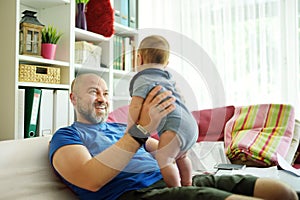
(100, 17)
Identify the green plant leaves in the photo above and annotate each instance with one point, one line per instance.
(50, 35)
(82, 1)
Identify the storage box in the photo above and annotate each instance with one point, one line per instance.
(41, 74)
(88, 54)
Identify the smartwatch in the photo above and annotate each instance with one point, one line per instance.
(139, 133)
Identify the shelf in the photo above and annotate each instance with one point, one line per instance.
(43, 85)
(121, 73)
(124, 30)
(83, 35)
(39, 60)
(38, 4)
(90, 69)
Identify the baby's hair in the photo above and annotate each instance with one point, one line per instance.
(154, 49)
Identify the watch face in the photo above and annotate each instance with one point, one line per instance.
(142, 129)
(138, 134)
(138, 131)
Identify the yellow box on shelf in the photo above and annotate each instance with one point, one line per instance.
(41, 74)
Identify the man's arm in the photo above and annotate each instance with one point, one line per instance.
(76, 165)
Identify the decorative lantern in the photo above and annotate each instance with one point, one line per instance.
(30, 34)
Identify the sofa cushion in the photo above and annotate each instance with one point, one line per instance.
(26, 173)
(118, 115)
(211, 122)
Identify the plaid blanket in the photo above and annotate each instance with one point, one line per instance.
(258, 132)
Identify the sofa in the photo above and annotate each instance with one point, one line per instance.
(212, 125)
(25, 172)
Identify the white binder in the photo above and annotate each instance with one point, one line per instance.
(21, 113)
(61, 109)
(45, 124)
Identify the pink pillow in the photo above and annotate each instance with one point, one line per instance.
(119, 115)
(211, 122)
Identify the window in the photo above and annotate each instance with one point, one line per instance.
(252, 44)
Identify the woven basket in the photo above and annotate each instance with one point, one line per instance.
(41, 74)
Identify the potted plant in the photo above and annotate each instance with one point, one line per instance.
(50, 37)
(80, 14)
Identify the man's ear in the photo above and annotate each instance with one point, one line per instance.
(72, 98)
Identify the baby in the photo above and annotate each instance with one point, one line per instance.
(178, 131)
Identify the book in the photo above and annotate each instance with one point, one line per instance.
(117, 52)
(45, 121)
(125, 12)
(117, 8)
(133, 55)
(127, 54)
(132, 14)
(32, 106)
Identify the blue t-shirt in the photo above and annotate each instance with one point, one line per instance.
(140, 172)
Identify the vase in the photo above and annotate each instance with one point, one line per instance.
(48, 51)
(80, 16)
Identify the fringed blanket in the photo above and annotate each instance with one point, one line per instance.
(258, 132)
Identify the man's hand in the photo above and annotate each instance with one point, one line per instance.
(155, 107)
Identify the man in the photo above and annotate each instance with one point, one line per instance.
(97, 160)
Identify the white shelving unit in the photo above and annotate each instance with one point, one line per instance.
(58, 13)
(61, 14)
(119, 92)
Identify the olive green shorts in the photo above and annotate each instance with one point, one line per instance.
(204, 187)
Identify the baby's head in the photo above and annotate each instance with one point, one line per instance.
(153, 50)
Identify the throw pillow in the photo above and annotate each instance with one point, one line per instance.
(118, 115)
(100, 17)
(211, 122)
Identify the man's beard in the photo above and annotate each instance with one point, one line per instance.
(89, 113)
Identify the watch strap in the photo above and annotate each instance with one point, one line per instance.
(138, 133)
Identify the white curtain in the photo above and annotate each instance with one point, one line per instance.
(253, 44)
